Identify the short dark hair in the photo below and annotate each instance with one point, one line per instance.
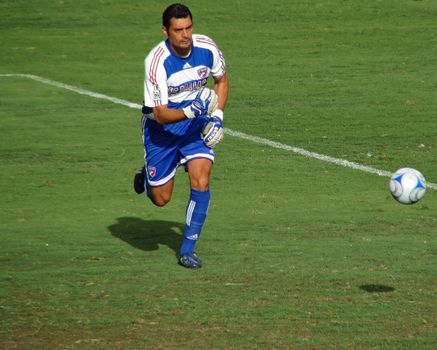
(175, 11)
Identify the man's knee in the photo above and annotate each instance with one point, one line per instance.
(199, 171)
(160, 200)
(200, 183)
(160, 196)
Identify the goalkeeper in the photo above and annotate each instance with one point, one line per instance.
(182, 120)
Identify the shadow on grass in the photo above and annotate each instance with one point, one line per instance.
(148, 235)
(376, 288)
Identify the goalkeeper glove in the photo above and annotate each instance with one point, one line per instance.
(213, 131)
(204, 103)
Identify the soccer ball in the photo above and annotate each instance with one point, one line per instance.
(407, 185)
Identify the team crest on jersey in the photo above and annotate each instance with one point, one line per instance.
(203, 72)
(151, 170)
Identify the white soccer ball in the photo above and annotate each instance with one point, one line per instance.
(407, 185)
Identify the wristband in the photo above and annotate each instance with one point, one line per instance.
(188, 112)
(218, 113)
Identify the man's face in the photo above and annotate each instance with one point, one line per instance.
(180, 35)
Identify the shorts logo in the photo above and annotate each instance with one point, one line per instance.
(203, 72)
(151, 170)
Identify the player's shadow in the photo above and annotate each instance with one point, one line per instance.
(376, 288)
(148, 235)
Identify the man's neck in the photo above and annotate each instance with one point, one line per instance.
(182, 53)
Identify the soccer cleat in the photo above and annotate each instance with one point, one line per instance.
(139, 181)
(190, 260)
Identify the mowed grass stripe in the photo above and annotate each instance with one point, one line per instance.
(241, 135)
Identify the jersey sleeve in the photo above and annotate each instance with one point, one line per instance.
(155, 79)
(219, 65)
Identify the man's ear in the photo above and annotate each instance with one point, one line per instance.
(164, 31)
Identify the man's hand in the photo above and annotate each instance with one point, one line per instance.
(205, 103)
(213, 131)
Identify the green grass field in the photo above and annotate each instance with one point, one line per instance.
(298, 253)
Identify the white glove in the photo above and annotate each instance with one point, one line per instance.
(205, 102)
(213, 102)
(213, 131)
(217, 113)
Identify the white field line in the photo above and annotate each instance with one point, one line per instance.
(237, 134)
(75, 89)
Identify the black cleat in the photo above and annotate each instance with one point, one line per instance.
(139, 181)
(190, 260)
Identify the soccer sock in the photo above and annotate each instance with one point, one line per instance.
(197, 209)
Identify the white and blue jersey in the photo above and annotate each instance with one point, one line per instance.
(174, 81)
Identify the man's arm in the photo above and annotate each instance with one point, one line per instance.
(213, 131)
(205, 102)
(221, 88)
(165, 115)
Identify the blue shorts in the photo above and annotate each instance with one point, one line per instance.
(169, 146)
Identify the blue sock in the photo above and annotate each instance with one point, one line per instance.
(197, 209)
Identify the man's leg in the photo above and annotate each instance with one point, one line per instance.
(162, 158)
(159, 195)
(197, 209)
